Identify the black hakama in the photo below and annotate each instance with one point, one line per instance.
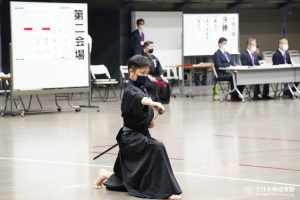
(142, 167)
(160, 90)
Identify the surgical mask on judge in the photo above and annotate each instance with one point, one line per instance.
(141, 27)
(253, 49)
(285, 47)
(224, 47)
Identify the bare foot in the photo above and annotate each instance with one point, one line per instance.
(175, 197)
(104, 175)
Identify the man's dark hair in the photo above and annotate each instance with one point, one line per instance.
(139, 21)
(147, 43)
(283, 38)
(138, 61)
(249, 40)
(221, 40)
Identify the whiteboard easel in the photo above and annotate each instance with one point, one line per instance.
(49, 51)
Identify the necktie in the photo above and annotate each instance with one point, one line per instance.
(284, 56)
(252, 58)
(226, 56)
(142, 36)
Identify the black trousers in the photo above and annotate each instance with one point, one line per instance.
(287, 91)
(265, 90)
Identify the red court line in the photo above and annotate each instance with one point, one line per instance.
(27, 29)
(258, 138)
(269, 167)
(115, 154)
(102, 146)
(176, 158)
(46, 28)
(223, 135)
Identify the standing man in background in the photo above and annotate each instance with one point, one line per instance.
(137, 38)
(250, 58)
(282, 56)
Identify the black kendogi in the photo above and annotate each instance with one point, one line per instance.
(142, 167)
(157, 92)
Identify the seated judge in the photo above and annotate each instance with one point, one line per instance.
(157, 85)
(137, 38)
(250, 58)
(223, 59)
(282, 56)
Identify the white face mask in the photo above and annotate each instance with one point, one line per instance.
(285, 47)
(224, 47)
(253, 49)
(141, 27)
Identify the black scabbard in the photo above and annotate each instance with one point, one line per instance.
(104, 152)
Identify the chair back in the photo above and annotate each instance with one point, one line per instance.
(99, 70)
(267, 56)
(171, 72)
(295, 56)
(215, 72)
(124, 71)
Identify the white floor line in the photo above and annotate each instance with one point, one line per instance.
(56, 162)
(177, 173)
(236, 179)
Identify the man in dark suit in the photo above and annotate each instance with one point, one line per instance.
(282, 56)
(223, 59)
(250, 58)
(137, 38)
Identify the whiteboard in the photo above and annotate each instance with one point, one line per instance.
(202, 32)
(49, 47)
(165, 30)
